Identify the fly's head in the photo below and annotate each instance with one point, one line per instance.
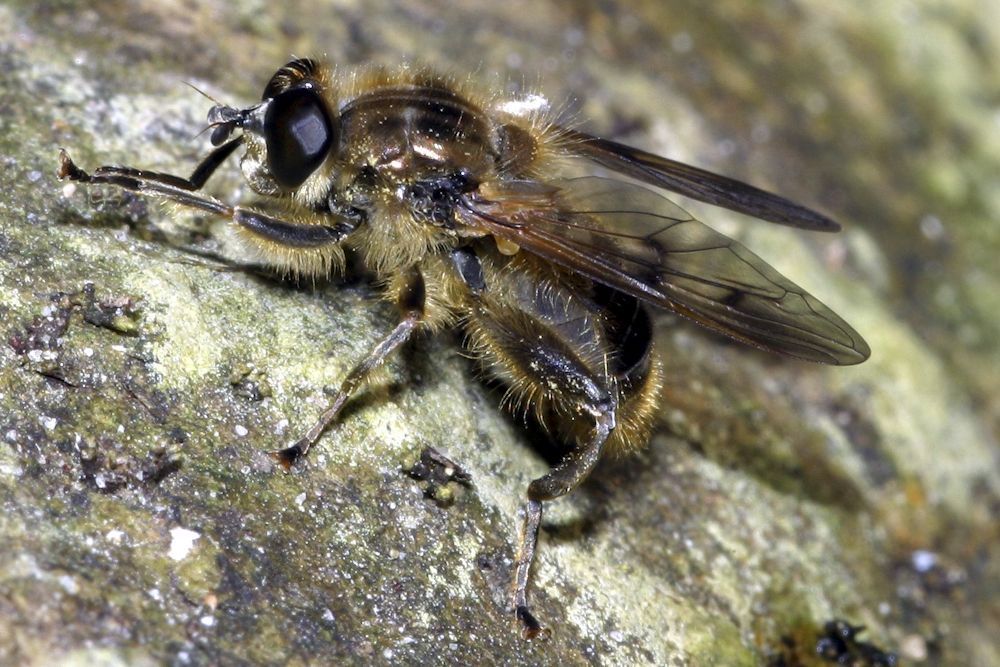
(292, 137)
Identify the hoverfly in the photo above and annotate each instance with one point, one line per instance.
(462, 208)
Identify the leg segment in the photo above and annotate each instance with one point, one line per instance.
(196, 181)
(315, 234)
(562, 479)
(411, 302)
(547, 368)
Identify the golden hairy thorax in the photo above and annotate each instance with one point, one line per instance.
(415, 132)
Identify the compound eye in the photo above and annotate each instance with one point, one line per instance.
(299, 133)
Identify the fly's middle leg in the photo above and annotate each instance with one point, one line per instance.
(411, 304)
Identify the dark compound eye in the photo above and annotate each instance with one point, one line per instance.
(299, 133)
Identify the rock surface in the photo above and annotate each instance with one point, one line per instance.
(142, 377)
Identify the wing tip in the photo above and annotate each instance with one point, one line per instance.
(857, 353)
(829, 225)
(809, 220)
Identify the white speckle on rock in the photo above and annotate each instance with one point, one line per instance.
(114, 536)
(681, 42)
(240, 431)
(69, 584)
(181, 543)
(923, 560)
(913, 647)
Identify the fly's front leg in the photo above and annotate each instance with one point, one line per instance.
(317, 232)
(411, 303)
(116, 175)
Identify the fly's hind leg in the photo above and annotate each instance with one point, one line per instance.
(562, 479)
(620, 423)
(539, 363)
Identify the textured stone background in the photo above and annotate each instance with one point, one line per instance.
(142, 524)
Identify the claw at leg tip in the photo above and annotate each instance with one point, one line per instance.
(68, 168)
(65, 164)
(287, 456)
(531, 629)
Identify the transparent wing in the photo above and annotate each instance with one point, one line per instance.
(635, 241)
(697, 183)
